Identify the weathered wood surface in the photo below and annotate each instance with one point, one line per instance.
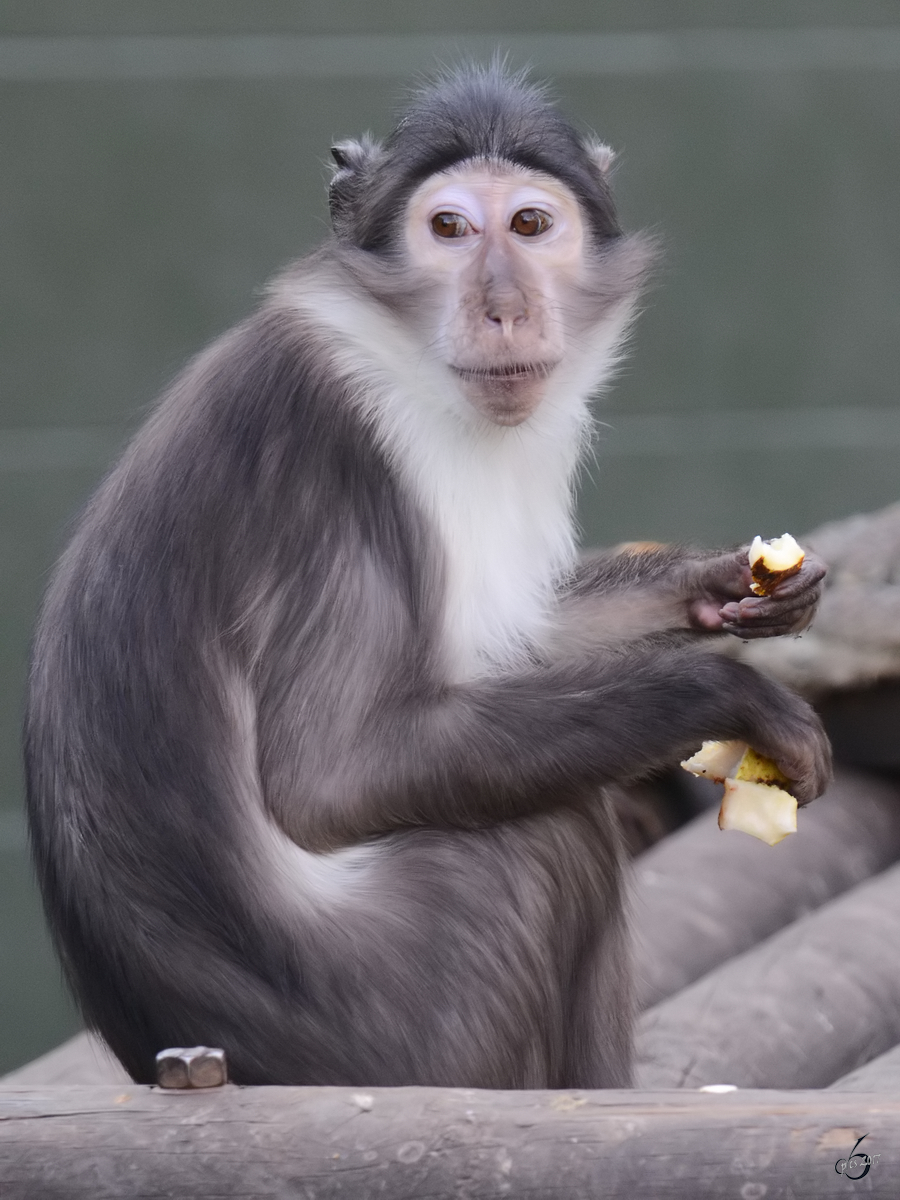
(701, 896)
(415, 1143)
(803, 1008)
(882, 1074)
(83, 1059)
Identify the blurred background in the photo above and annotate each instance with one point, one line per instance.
(161, 160)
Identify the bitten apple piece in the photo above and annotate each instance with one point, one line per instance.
(761, 809)
(770, 562)
(753, 768)
(716, 760)
(753, 801)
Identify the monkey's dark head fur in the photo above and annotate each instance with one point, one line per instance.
(473, 113)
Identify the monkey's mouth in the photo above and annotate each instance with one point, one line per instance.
(508, 373)
(507, 394)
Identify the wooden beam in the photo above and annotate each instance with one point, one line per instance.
(411, 1143)
(701, 896)
(83, 1059)
(801, 1009)
(882, 1074)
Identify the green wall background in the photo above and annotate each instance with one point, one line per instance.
(161, 160)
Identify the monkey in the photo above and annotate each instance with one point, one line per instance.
(323, 702)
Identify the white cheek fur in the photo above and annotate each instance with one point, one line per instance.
(500, 499)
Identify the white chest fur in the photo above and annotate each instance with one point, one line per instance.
(500, 499)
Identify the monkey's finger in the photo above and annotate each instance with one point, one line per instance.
(810, 574)
(796, 619)
(803, 753)
(810, 769)
(748, 612)
(808, 578)
(771, 622)
(767, 611)
(748, 632)
(804, 588)
(773, 610)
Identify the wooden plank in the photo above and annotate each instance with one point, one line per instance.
(811, 1003)
(701, 896)
(882, 1074)
(412, 1143)
(82, 1059)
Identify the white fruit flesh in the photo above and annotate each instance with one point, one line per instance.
(766, 812)
(780, 554)
(716, 760)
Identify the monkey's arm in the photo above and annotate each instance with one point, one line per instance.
(474, 754)
(620, 595)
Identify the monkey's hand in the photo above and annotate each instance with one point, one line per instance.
(787, 731)
(720, 597)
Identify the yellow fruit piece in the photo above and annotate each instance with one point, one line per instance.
(753, 802)
(764, 811)
(770, 562)
(753, 768)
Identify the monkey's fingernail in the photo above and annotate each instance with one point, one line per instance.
(193, 1067)
(729, 612)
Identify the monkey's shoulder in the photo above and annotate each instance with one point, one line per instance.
(255, 465)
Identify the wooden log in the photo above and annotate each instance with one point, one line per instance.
(410, 1143)
(882, 1074)
(811, 1003)
(83, 1059)
(702, 896)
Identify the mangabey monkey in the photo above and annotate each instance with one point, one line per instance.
(322, 703)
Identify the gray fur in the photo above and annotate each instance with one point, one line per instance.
(480, 113)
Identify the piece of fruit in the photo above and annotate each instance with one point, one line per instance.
(753, 801)
(760, 809)
(716, 760)
(753, 768)
(770, 562)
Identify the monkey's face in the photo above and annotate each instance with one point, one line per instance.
(500, 250)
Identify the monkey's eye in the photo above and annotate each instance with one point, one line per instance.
(529, 222)
(449, 225)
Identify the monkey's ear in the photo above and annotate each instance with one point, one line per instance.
(353, 161)
(600, 154)
(340, 155)
(352, 156)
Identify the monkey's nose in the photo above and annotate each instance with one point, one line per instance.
(506, 311)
